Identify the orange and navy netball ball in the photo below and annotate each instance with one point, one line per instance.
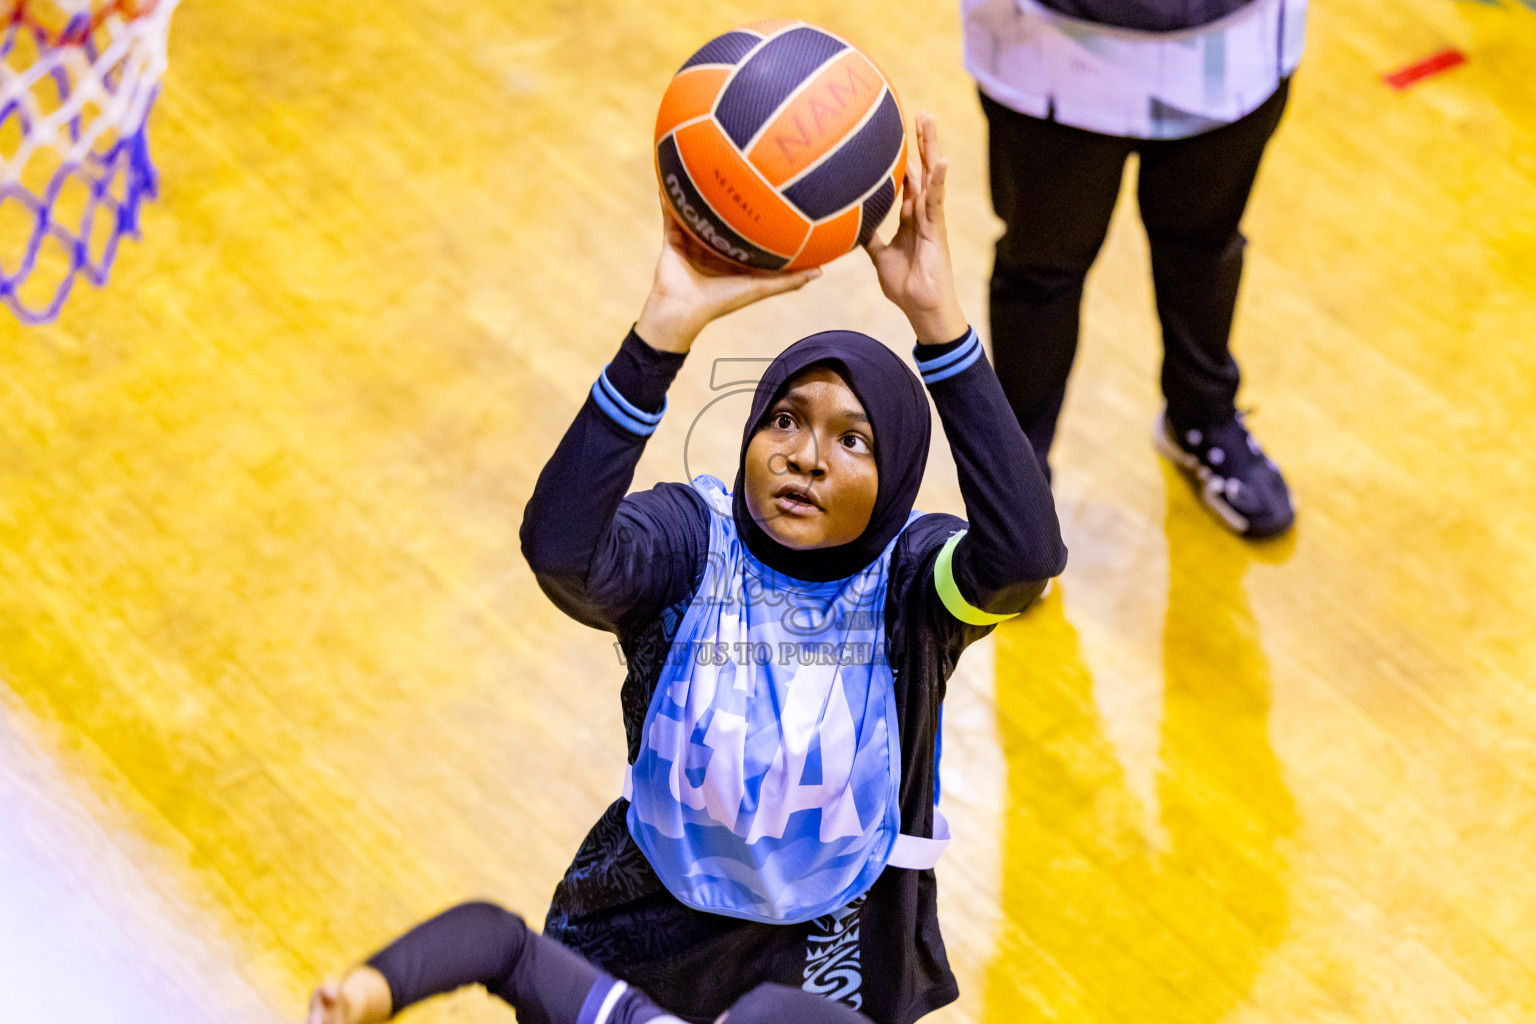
(780, 145)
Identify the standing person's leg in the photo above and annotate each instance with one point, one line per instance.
(1193, 193)
(1054, 188)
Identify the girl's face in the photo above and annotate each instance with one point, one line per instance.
(810, 471)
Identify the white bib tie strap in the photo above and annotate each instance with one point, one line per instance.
(918, 854)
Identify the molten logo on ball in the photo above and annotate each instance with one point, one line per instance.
(700, 225)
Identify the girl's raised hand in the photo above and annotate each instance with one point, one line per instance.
(914, 267)
(693, 286)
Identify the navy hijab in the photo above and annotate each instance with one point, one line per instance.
(897, 407)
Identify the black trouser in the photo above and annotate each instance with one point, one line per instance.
(1055, 187)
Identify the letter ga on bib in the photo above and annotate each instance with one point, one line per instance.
(767, 785)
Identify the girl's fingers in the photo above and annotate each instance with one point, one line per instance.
(790, 282)
(758, 288)
(922, 138)
(929, 130)
(668, 222)
(928, 143)
(923, 204)
(672, 234)
(912, 199)
(705, 261)
(912, 181)
(775, 284)
(321, 1003)
(935, 168)
(935, 204)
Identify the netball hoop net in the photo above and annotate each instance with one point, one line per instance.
(77, 80)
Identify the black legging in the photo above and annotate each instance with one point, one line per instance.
(482, 944)
(1055, 187)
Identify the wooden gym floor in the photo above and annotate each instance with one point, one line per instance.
(275, 681)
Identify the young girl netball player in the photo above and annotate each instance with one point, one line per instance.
(788, 638)
(482, 944)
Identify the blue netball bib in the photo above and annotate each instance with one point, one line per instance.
(767, 785)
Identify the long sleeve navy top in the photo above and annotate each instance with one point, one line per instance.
(631, 564)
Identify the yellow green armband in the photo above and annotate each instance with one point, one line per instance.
(949, 593)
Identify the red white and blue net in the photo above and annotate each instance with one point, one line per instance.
(77, 81)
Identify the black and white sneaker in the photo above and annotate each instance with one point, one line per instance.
(1236, 480)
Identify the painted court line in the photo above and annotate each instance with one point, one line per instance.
(1420, 70)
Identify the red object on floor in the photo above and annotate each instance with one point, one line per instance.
(1442, 61)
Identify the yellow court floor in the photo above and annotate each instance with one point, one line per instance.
(275, 681)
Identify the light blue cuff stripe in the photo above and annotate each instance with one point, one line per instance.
(618, 415)
(938, 363)
(633, 410)
(965, 364)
